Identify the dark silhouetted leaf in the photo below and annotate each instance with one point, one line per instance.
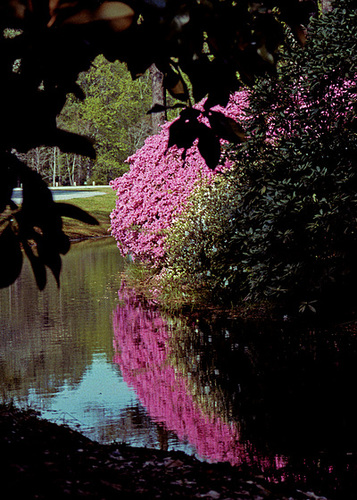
(48, 254)
(179, 91)
(10, 257)
(76, 90)
(37, 206)
(119, 14)
(68, 210)
(174, 83)
(185, 129)
(63, 243)
(7, 183)
(226, 128)
(73, 143)
(209, 147)
(159, 108)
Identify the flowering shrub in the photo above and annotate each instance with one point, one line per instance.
(280, 226)
(156, 189)
(201, 262)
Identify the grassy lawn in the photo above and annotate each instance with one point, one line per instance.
(99, 207)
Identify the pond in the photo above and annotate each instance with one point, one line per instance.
(272, 399)
(56, 349)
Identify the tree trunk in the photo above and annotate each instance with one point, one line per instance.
(158, 97)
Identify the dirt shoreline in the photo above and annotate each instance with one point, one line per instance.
(43, 460)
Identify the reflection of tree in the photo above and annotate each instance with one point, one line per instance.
(290, 390)
(49, 337)
(142, 345)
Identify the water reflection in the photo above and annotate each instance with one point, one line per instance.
(48, 338)
(290, 391)
(146, 353)
(56, 349)
(275, 400)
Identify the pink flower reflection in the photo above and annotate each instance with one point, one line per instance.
(141, 343)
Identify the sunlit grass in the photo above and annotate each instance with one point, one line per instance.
(99, 207)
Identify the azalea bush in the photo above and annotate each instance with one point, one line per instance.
(157, 187)
(150, 194)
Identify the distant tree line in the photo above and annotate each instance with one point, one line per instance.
(113, 114)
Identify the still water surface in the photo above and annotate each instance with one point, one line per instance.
(275, 399)
(56, 350)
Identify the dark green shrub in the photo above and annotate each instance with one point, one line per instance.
(285, 218)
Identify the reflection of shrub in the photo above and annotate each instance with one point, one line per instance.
(141, 343)
(288, 232)
(189, 380)
(281, 397)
